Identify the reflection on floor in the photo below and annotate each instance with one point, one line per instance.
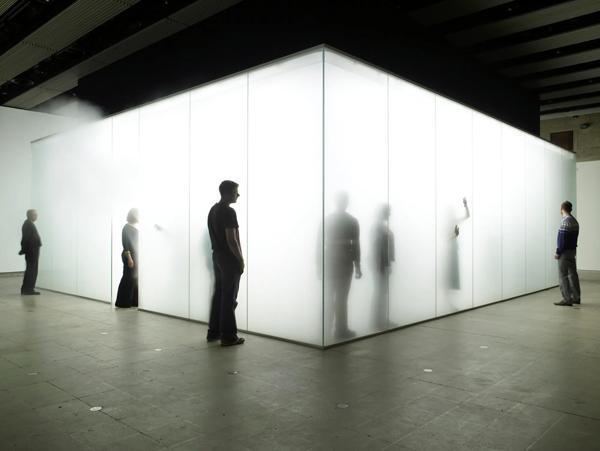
(516, 375)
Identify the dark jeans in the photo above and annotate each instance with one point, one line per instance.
(127, 295)
(31, 271)
(222, 311)
(568, 279)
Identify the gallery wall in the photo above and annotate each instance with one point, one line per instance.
(447, 208)
(17, 129)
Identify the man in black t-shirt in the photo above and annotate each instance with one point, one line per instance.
(228, 264)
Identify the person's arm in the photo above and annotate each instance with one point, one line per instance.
(27, 238)
(356, 246)
(127, 247)
(560, 241)
(233, 242)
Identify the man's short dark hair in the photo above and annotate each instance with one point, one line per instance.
(227, 188)
(567, 206)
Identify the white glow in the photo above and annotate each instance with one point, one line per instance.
(535, 238)
(454, 184)
(513, 212)
(554, 197)
(164, 206)
(487, 210)
(284, 199)
(412, 201)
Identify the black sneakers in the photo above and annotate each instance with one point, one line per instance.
(237, 341)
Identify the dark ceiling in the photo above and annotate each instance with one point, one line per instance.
(549, 47)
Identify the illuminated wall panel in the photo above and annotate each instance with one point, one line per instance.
(487, 210)
(285, 207)
(454, 183)
(513, 212)
(535, 237)
(164, 206)
(412, 202)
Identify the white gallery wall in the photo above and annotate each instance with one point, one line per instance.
(588, 193)
(338, 162)
(17, 129)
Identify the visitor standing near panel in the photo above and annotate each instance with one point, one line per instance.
(566, 249)
(127, 295)
(228, 264)
(30, 247)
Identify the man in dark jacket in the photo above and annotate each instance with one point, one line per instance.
(30, 247)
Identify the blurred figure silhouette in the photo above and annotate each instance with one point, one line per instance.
(228, 266)
(127, 295)
(342, 253)
(384, 255)
(454, 260)
(30, 247)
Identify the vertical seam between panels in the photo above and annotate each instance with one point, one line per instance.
(435, 199)
(525, 241)
(388, 187)
(247, 122)
(189, 218)
(472, 208)
(139, 154)
(323, 198)
(112, 209)
(501, 212)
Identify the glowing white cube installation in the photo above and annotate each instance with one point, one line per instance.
(344, 171)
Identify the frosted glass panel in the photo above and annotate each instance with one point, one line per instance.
(44, 164)
(62, 212)
(513, 212)
(218, 152)
(454, 222)
(486, 214)
(554, 197)
(126, 183)
(412, 200)
(535, 215)
(92, 179)
(164, 215)
(285, 190)
(356, 193)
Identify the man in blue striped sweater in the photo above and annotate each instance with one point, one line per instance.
(566, 249)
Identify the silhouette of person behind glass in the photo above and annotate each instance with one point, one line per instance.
(383, 252)
(342, 251)
(454, 260)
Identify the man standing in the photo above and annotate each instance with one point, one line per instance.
(566, 248)
(228, 264)
(30, 247)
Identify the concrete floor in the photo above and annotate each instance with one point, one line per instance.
(160, 385)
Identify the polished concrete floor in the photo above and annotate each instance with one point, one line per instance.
(523, 374)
